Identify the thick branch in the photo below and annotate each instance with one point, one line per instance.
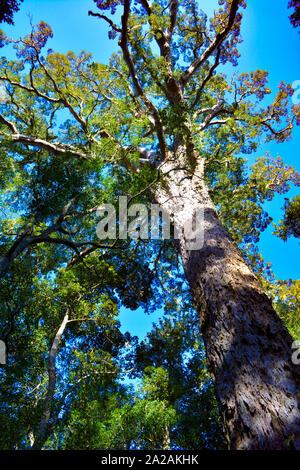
(173, 17)
(40, 143)
(51, 147)
(26, 239)
(163, 39)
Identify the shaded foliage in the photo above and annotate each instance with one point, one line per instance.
(290, 225)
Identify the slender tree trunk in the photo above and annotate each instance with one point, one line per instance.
(248, 348)
(42, 433)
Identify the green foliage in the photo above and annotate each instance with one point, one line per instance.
(286, 295)
(178, 376)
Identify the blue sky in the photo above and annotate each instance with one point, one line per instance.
(270, 43)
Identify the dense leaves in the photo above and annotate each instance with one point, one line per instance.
(7, 9)
(295, 16)
(76, 134)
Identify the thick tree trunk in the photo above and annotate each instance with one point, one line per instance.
(248, 348)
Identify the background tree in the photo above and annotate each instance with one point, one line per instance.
(60, 338)
(192, 102)
(178, 376)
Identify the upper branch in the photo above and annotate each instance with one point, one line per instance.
(57, 149)
(173, 17)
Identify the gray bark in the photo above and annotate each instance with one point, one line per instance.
(248, 348)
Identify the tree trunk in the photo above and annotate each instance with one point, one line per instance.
(42, 433)
(167, 439)
(248, 348)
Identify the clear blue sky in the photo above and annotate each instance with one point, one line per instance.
(270, 43)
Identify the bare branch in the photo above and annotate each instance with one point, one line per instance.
(9, 124)
(212, 123)
(29, 89)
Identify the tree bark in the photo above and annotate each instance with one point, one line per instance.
(247, 346)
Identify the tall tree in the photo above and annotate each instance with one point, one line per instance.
(63, 342)
(177, 127)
